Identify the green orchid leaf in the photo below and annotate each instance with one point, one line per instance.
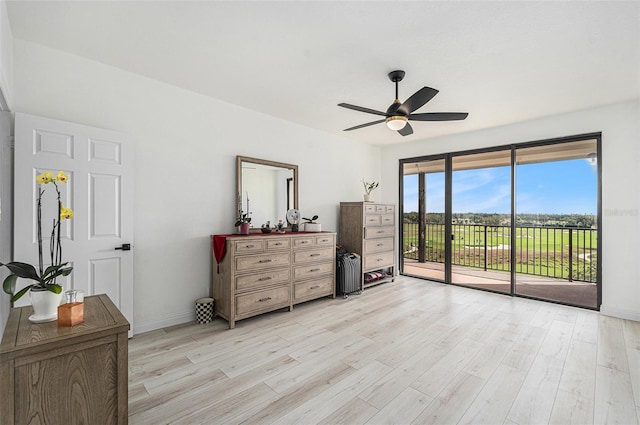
(55, 288)
(61, 272)
(9, 284)
(23, 270)
(23, 291)
(51, 270)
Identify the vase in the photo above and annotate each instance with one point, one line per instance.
(45, 305)
(244, 228)
(367, 197)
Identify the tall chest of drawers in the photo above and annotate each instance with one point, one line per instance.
(368, 229)
(262, 273)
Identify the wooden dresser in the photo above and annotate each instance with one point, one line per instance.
(65, 375)
(266, 272)
(368, 229)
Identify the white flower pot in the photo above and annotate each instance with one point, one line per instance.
(313, 227)
(45, 305)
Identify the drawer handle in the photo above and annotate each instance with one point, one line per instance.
(314, 255)
(380, 244)
(324, 240)
(315, 287)
(314, 270)
(249, 246)
(278, 244)
(264, 299)
(264, 261)
(304, 241)
(380, 259)
(380, 231)
(262, 279)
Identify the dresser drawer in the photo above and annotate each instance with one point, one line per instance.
(390, 209)
(379, 232)
(374, 261)
(369, 208)
(381, 208)
(325, 241)
(372, 220)
(250, 246)
(269, 299)
(260, 262)
(310, 255)
(388, 219)
(378, 245)
(312, 289)
(304, 242)
(312, 270)
(260, 280)
(278, 243)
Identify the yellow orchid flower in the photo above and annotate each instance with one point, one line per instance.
(66, 213)
(62, 177)
(45, 177)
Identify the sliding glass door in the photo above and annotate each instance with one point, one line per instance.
(520, 219)
(556, 222)
(424, 219)
(481, 220)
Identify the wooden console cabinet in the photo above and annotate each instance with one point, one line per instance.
(368, 229)
(261, 273)
(65, 375)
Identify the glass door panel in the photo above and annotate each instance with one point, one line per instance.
(423, 229)
(481, 220)
(556, 222)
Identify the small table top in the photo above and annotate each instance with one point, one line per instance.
(101, 318)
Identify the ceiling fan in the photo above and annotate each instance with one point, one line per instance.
(398, 114)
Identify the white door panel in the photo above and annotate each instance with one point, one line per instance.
(100, 191)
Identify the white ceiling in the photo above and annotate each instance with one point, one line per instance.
(502, 62)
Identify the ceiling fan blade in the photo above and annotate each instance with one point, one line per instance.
(361, 109)
(417, 100)
(365, 125)
(439, 116)
(406, 130)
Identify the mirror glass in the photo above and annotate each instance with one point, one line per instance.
(265, 188)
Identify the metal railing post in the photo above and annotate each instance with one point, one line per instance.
(570, 254)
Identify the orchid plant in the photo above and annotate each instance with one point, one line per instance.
(45, 279)
(368, 187)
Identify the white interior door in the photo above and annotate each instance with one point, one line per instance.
(100, 192)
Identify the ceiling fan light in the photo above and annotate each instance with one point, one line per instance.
(396, 122)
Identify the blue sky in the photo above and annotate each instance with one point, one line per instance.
(560, 187)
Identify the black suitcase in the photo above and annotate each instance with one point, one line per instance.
(348, 274)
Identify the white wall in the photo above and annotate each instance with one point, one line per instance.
(6, 153)
(185, 148)
(620, 127)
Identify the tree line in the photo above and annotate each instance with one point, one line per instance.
(496, 219)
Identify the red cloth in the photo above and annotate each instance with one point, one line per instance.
(219, 248)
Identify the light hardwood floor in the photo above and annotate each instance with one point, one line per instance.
(408, 352)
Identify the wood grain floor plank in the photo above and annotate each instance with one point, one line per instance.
(571, 409)
(492, 404)
(535, 399)
(614, 398)
(612, 351)
(357, 411)
(451, 403)
(403, 409)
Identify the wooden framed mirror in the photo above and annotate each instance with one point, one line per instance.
(267, 189)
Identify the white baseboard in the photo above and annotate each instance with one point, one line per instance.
(620, 313)
(178, 319)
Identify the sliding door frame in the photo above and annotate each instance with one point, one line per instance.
(448, 158)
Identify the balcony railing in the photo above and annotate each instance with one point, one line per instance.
(567, 253)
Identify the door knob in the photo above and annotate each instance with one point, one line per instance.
(125, 247)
